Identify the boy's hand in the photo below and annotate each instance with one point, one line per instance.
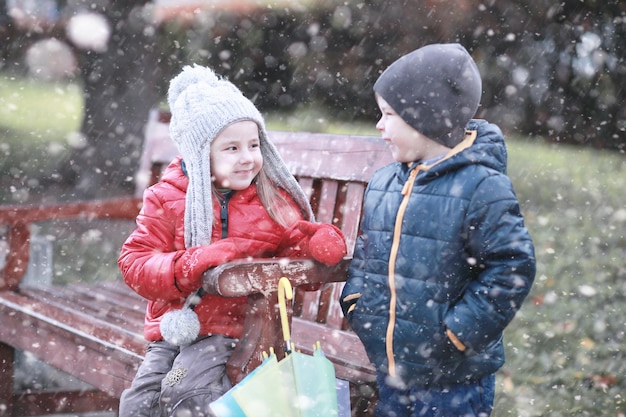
(326, 244)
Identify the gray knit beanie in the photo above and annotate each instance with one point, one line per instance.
(202, 105)
(436, 89)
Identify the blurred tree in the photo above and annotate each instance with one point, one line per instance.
(556, 70)
(6, 28)
(551, 70)
(7, 35)
(122, 70)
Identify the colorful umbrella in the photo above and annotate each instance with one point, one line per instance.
(300, 385)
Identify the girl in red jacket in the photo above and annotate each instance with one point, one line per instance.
(228, 196)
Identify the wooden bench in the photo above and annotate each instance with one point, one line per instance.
(94, 331)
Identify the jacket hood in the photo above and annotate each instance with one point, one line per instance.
(488, 149)
(174, 175)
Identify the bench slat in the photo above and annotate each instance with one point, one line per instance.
(97, 354)
(327, 203)
(62, 402)
(340, 347)
(85, 301)
(352, 208)
(341, 157)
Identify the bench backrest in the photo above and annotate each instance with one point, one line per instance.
(333, 170)
(158, 150)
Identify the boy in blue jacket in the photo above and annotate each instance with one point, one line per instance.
(443, 261)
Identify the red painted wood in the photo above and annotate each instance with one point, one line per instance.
(62, 402)
(7, 356)
(92, 350)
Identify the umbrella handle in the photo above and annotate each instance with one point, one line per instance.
(285, 290)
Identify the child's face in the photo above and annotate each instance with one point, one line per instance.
(405, 143)
(236, 156)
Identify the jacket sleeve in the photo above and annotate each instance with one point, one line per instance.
(353, 287)
(352, 290)
(148, 256)
(502, 252)
(155, 268)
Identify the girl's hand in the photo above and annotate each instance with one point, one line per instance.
(190, 267)
(326, 243)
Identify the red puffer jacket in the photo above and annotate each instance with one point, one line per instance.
(155, 263)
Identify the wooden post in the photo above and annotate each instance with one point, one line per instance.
(7, 357)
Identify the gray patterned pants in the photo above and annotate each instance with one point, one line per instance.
(177, 381)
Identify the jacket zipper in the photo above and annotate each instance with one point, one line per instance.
(406, 192)
(224, 199)
(470, 136)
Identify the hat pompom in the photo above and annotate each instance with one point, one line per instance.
(180, 327)
(190, 75)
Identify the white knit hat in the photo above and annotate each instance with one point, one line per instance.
(202, 105)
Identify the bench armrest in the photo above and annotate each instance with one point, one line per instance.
(258, 280)
(18, 220)
(243, 278)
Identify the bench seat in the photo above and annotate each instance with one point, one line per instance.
(94, 333)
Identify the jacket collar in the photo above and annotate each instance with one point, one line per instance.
(470, 138)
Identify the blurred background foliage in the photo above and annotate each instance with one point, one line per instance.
(550, 69)
(553, 71)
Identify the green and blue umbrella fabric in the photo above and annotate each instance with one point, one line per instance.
(227, 405)
(300, 385)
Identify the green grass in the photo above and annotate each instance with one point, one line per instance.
(566, 349)
(54, 113)
(37, 121)
(566, 353)
(315, 119)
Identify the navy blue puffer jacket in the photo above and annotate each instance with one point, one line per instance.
(456, 257)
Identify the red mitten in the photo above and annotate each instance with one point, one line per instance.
(190, 267)
(195, 261)
(326, 243)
